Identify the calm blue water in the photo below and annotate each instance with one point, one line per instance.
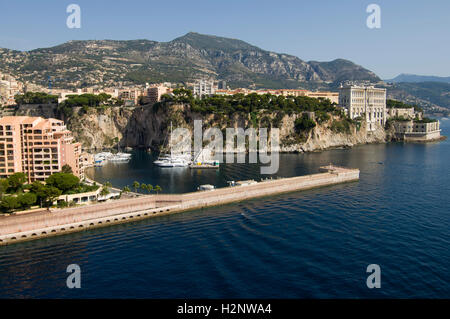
(312, 244)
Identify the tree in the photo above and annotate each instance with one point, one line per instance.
(304, 123)
(27, 200)
(144, 187)
(4, 185)
(63, 181)
(45, 194)
(9, 203)
(126, 189)
(149, 187)
(16, 181)
(67, 169)
(157, 189)
(136, 186)
(104, 191)
(51, 194)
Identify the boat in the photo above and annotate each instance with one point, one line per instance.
(172, 160)
(99, 163)
(101, 158)
(209, 164)
(206, 187)
(202, 160)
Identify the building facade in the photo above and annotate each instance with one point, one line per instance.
(154, 93)
(9, 87)
(366, 102)
(417, 131)
(204, 87)
(407, 113)
(37, 147)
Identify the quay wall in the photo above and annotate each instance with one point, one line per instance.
(16, 228)
(26, 222)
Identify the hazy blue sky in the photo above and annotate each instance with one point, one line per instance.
(414, 34)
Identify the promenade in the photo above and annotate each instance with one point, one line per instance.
(34, 225)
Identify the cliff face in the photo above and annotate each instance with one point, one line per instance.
(147, 127)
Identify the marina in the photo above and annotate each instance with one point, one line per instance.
(100, 159)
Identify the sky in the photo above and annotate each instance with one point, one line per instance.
(413, 37)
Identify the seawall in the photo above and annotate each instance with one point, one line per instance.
(16, 228)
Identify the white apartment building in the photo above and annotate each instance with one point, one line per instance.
(204, 87)
(368, 102)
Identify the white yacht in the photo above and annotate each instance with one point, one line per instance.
(171, 160)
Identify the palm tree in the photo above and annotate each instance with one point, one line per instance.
(144, 187)
(104, 191)
(157, 189)
(126, 189)
(149, 188)
(136, 186)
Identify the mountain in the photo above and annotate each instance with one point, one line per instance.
(184, 59)
(434, 97)
(414, 78)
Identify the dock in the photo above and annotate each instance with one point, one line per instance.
(17, 228)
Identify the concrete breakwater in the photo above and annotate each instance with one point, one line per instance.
(16, 228)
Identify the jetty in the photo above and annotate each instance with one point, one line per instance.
(43, 223)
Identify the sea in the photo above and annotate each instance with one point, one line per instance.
(309, 244)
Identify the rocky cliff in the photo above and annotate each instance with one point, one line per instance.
(148, 127)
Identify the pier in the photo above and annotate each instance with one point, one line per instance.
(16, 228)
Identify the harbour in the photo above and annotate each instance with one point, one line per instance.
(312, 243)
(49, 223)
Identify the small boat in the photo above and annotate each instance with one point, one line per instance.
(206, 187)
(211, 164)
(99, 163)
(171, 162)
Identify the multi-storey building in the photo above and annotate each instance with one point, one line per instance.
(154, 93)
(37, 147)
(417, 130)
(364, 101)
(204, 87)
(130, 96)
(407, 113)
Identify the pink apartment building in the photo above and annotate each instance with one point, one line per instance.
(37, 147)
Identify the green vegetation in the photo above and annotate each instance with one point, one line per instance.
(136, 186)
(105, 189)
(425, 120)
(35, 98)
(157, 189)
(126, 189)
(246, 104)
(15, 194)
(304, 123)
(66, 169)
(429, 93)
(398, 104)
(89, 100)
(63, 181)
(342, 125)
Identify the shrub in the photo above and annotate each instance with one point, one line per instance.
(304, 123)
